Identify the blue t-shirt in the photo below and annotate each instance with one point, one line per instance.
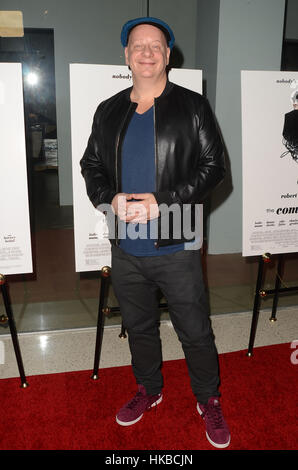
(138, 176)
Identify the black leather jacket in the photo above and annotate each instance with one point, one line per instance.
(189, 157)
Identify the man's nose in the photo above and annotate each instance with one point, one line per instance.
(147, 50)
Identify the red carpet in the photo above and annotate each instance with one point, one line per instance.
(71, 411)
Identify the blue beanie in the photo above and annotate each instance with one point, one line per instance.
(147, 20)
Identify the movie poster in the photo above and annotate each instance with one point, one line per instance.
(270, 162)
(15, 239)
(89, 85)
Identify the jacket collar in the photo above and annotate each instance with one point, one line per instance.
(166, 91)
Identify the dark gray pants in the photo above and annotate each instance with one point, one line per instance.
(136, 281)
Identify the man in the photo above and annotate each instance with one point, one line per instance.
(152, 146)
(290, 129)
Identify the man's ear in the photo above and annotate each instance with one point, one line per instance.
(126, 56)
(168, 55)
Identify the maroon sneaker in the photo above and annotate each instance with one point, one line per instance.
(133, 410)
(217, 431)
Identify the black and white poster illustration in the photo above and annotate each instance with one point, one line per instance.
(270, 162)
(89, 85)
(15, 239)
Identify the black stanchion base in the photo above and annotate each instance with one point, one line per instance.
(13, 331)
(261, 293)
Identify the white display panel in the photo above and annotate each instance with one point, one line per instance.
(15, 240)
(89, 85)
(270, 173)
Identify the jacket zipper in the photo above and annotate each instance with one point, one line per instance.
(156, 244)
(117, 187)
(116, 169)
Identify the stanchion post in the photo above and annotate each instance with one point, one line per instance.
(122, 332)
(258, 294)
(276, 288)
(13, 330)
(105, 274)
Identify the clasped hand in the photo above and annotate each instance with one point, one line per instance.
(135, 208)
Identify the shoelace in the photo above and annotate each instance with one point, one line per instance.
(135, 400)
(213, 412)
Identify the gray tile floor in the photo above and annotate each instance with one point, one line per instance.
(73, 349)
